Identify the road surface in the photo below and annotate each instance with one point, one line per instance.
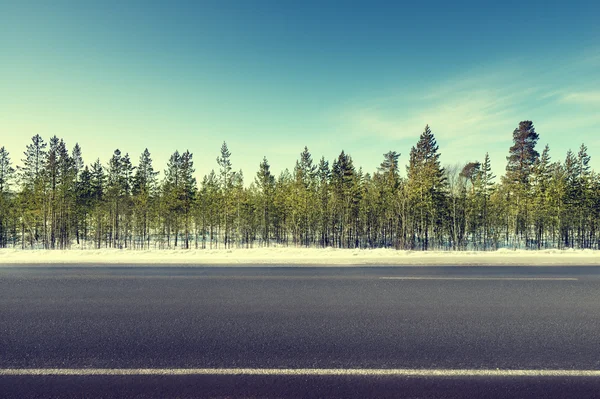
(299, 332)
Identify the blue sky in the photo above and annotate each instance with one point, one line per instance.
(270, 77)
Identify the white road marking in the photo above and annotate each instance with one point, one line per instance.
(485, 278)
(307, 372)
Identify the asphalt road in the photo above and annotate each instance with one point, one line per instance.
(478, 321)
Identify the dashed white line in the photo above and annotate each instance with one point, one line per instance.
(485, 278)
(305, 372)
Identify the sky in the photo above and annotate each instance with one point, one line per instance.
(270, 77)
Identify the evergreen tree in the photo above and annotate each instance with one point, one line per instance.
(6, 177)
(78, 167)
(522, 154)
(187, 193)
(540, 180)
(51, 174)
(78, 164)
(304, 199)
(226, 182)
(209, 208)
(33, 193)
(84, 193)
(98, 203)
(324, 194)
(485, 189)
(470, 173)
(426, 189)
(171, 208)
(282, 207)
(66, 183)
(584, 200)
(6, 171)
(265, 182)
(118, 192)
(390, 168)
(571, 199)
(521, 159)
(144, 193)
(387, 181)
(343, 181)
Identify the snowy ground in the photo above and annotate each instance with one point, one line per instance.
(298, 256)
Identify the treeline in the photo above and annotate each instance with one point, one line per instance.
(53, 200)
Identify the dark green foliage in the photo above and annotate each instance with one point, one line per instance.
(55, 201)
(390, 168)
(144, 193)
(521, 161)
(6, 171)
(226, 193)
(6, 197)
(32, 199)
(426, 188)
(522, 154)
(265, 183)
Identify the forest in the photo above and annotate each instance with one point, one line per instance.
(52, 200)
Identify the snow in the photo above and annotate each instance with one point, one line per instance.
(297, 256)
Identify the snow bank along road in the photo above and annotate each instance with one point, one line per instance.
(309, 331)
(278, 256)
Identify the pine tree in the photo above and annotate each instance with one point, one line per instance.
(33, 193)
(187, 193)
(209, 208)
(282, 207)
(84, 193)
(171, 202)
(521, 159)
(6, 171)
(324, 193)
(304, 198)
(119, 176)
(238, 201)
(144, 193)
(343, 175)
(6, 177)
(66, 181)
(127, 176)
(387, 180)
(77, 158)
(571, 199)
(226, 181)
(51, 175)
(390, 168)
(250, 214)
(485, 189)
(522, 153)
(584, 201)
(557, 192)
(78, 167)
(426, 188)
(98, 203)
(371, 210)
(478, 186)
(540, 181)
(265, 183)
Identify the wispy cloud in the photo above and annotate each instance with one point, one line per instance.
(476, 112)
(582, 97)
(463, 115)
(479, 98)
